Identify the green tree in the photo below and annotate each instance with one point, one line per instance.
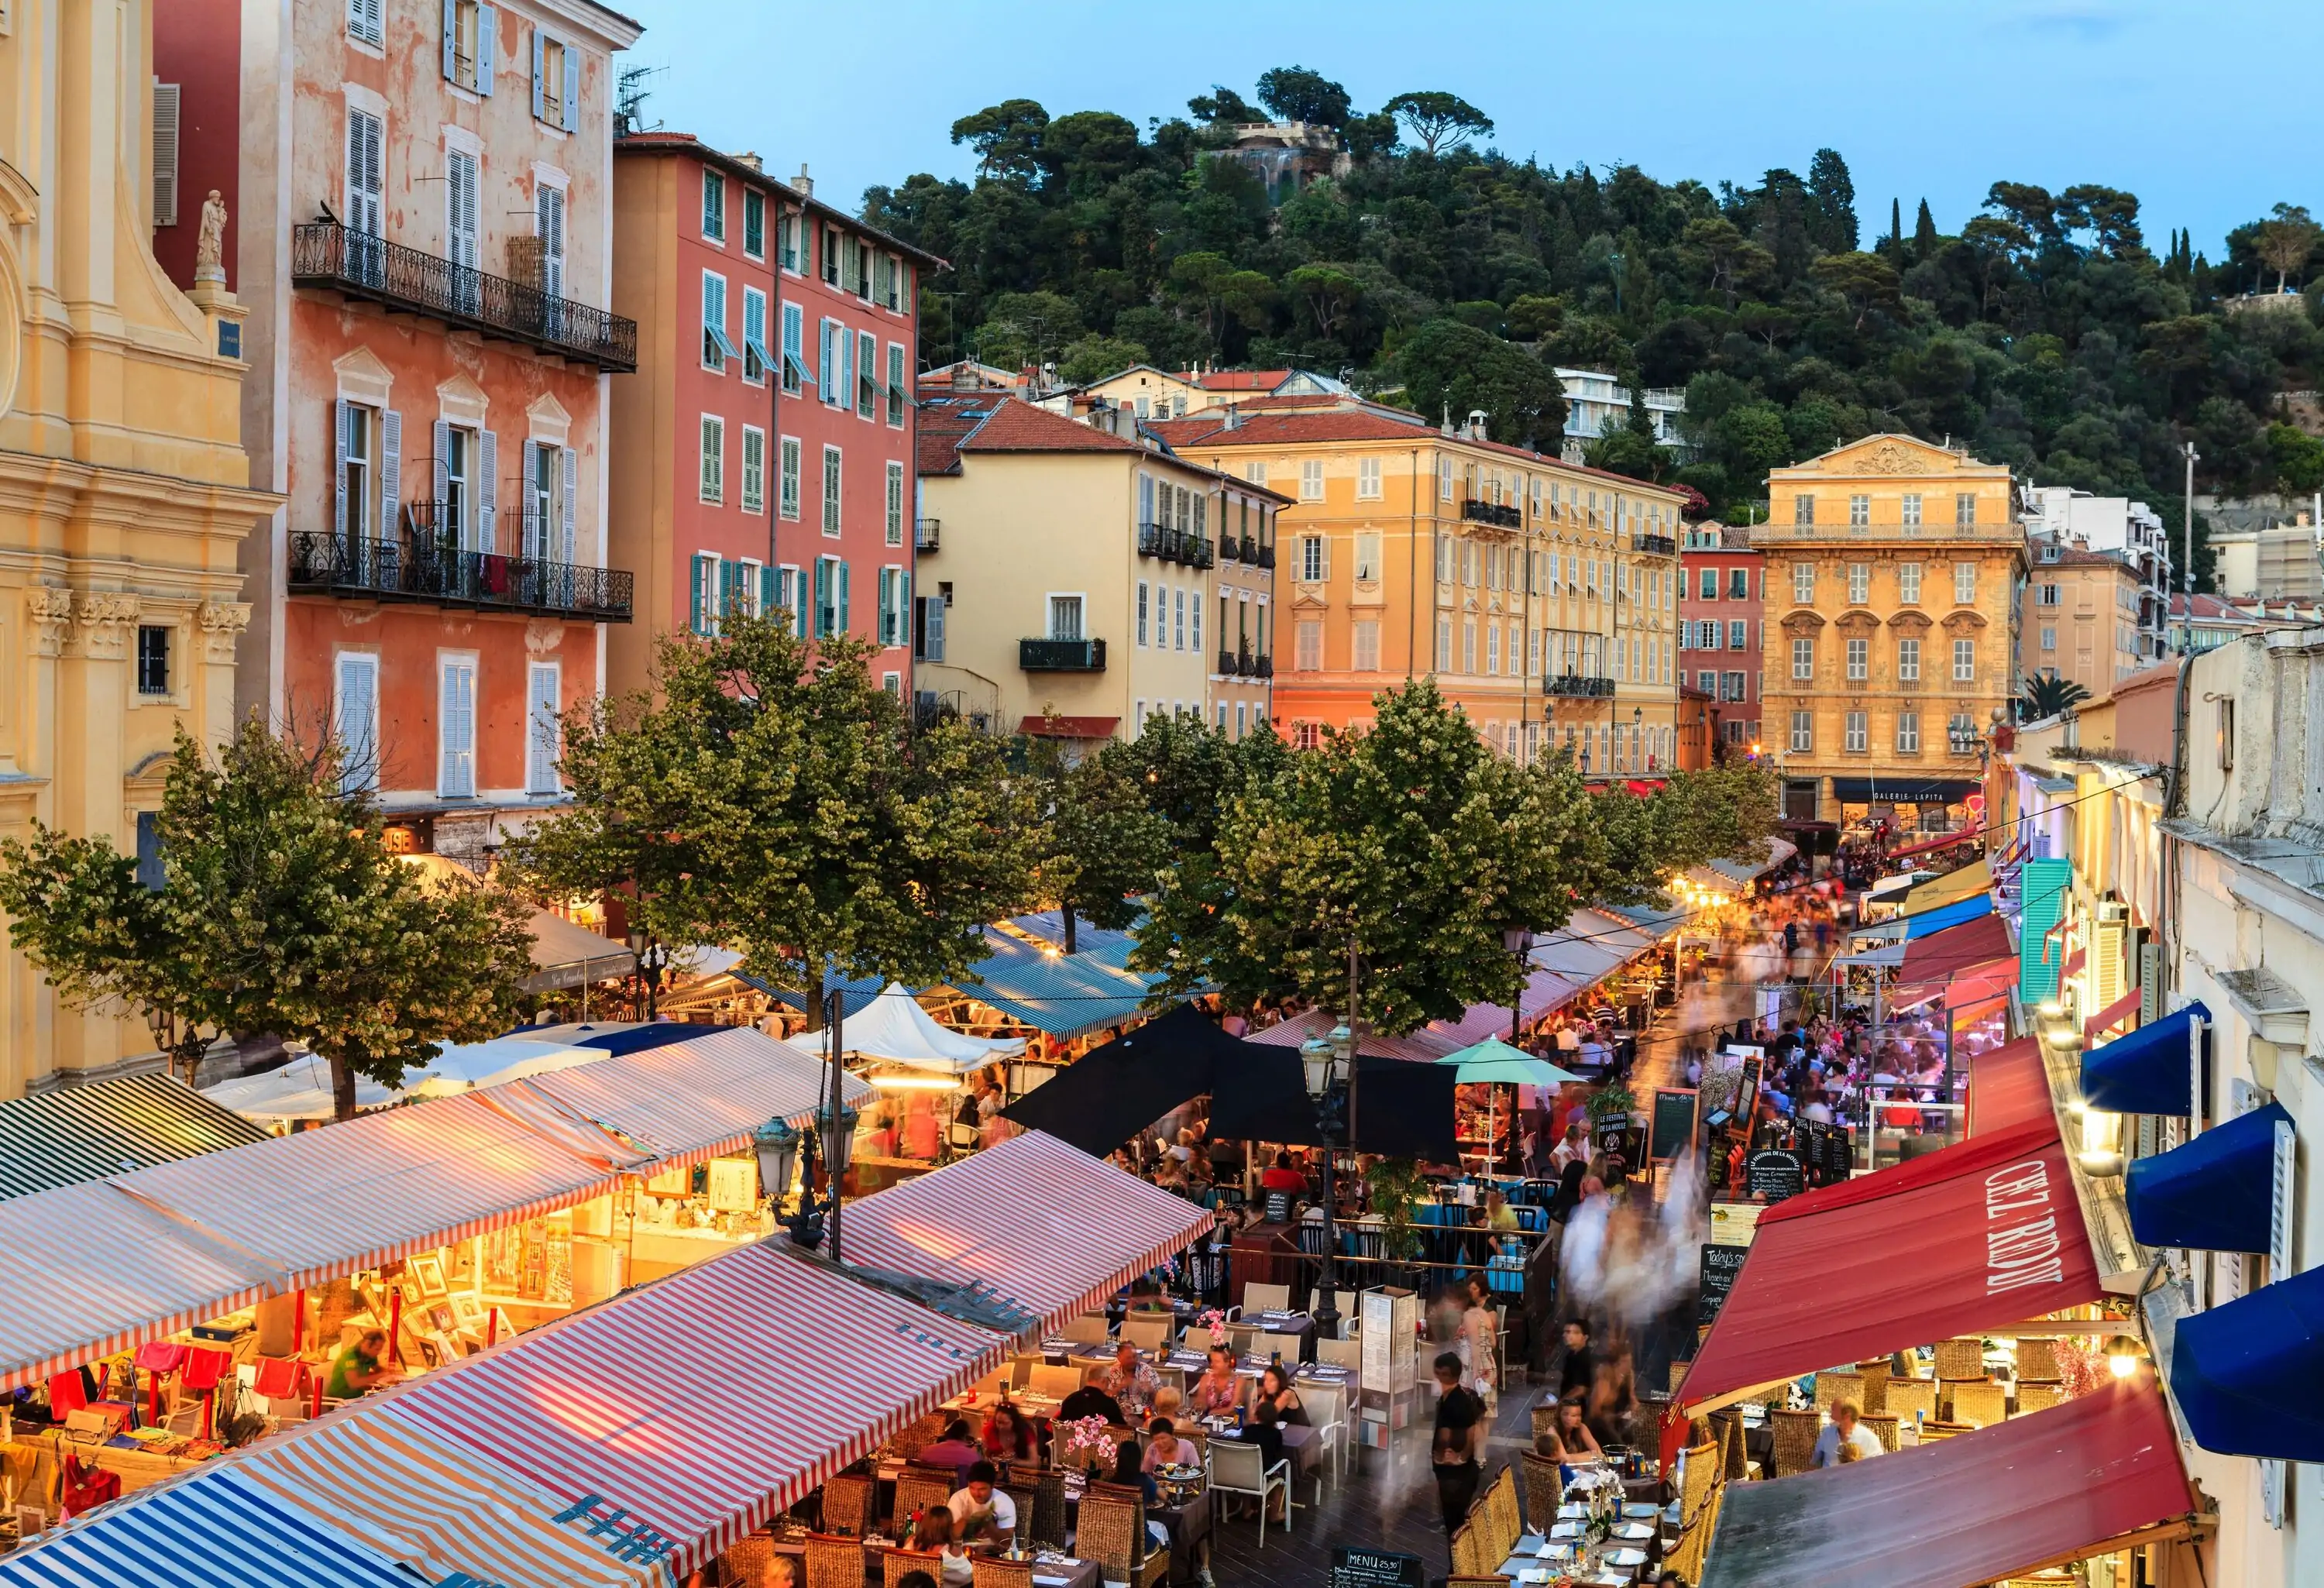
(1435, 116)
(1093, 358)
(2046, 695)
(1831, 194)
(770, 796)
(280, 910)
(2286, 241)
(1293, 93)
(1328, 293)
(1223, 105)
(1007, 138)
(1448, 366)
(1865, 280)
(1097, 845)
(2297, 458)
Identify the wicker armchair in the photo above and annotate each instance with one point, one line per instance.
(1908, 1396)
(1703, 1474)
(2037, 1359)
(1044, 1524)
(1832, 1388)
(1981, 1404)
(1735, 1461)
(2039, 1394)
(1686, 1559)
(1677, 1377)
(1500, 1515)
(896, 1564)
(833, 1562)
(1884, 1425)
(1960, 1359)
(1544, 1487)
(1545, 1420)
(847, 1503)
(1876, 1375)
(1113, 1533)
(1468, 1551)
(1795, 1440)
(746, 1558)
(1002, 1573)
(918, 1487)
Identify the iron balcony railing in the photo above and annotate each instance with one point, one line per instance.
(1577, 686)
(420, 569)
(1498, 513)
(1653, 545)
(1263, 667)
(1231, 666)
(1259, 556)
(325, 254)
(1061, 656)
(926, 533)
(1174, 545)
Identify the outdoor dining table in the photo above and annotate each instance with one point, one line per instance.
(1048, 1571)
(1188, 1525)
(1298, 1323)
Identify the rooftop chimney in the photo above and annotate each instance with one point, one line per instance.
(1234, 416)
(1444, 426)
(803, 182)
(1476, 424)
(749, 157)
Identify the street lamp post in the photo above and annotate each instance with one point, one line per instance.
(1519, 941)
(1335, 1114)
(784, 1149)
(653, 958)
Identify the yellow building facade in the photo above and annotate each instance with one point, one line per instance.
(2080, 618)
(123, 487)
(1542, 596)
(1894, 569)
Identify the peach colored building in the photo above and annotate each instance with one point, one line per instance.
(422, 233)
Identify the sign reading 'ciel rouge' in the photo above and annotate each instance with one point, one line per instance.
(2021, 1229)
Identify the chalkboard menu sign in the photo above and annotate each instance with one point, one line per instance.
(1376, 1568)
(1721, 1264)
(1673, 1121)
(1829, 1151)
(1775, 1174)
(1278, 1207)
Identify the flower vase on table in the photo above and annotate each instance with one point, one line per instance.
(1085, 1440)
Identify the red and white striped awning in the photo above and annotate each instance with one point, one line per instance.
(684, 1414)
(89, 1269)
(1053, 1230)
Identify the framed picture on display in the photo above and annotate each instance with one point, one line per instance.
(430, 1271)
(733, 1185)
(443, 1318)
(469, 1310)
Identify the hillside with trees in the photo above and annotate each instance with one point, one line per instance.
(2044, 331)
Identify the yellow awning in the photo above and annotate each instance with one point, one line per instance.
(1950, 888)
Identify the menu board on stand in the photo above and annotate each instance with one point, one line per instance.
(1390, 1360)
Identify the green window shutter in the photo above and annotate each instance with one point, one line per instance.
(768, 601)
(842, 598)
(694, 606)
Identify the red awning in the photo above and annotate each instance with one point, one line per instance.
(2048, 1487)
(2113, 1015)
(1644, 786)
(1941, 841)
(2008, 1088)
(1977, 1236)
(1070, 727)
(1957, 950)
(1980, 986)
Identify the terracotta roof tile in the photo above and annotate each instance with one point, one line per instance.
(1292, 428)
(1019, 427)
(1239, 379)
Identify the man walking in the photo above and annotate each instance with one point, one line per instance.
(1460, 1437)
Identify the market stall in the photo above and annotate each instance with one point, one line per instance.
(92, 1132)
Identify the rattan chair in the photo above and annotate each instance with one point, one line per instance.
(896, 1564)
(1046, 1523)
(1933, 1431)
(1544, 1487)
(2039, 1394)
(1500, 1515)
(1832, 1388)
(847, 1503)
(1981, 1404)
(833, 1562)
(1876, 1385)
(1883, 1425)
(1795, 1440)
(918, 1487)
(1544, 1419)
(1113, 1533)
(1686, 1559)
(1960, 1360)
(1148, 1331)
(2037, 1359)
(1908, 1398)
(1735, 1464)
(1258, 1297)
(1001, 1573)
(746, 1558)
(1703, 1473)
(1677, 1377)
(1470, 1551)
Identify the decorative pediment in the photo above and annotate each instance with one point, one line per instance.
(461, 401)
(1909, 622)
(1966, 621)
(1887, 454)
(1807, 620)
(1857, 621)
(362, 377)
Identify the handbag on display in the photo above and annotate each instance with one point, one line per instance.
(203, 1369)
(84, 1487)
(160, 1356)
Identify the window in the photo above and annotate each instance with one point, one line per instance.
(1493, 649)
(831, 490)
(354, 719)
(1908, 732)
(831, 251)
(468, 30)
(461, 242)
(1445, 479)
(788, 231)
(1178, 601)
(1707, 582)
(2226, 735)
(786, 473)
(1802, 732)
(1965, 510)
(2048, 596)
(796, 374)
(1859, 582)
(714, 206)
(715, 348)
(755, 357)
(702, 594)
(369, 444)
(755, 223)
(549, 225)
(896, 386)
(1803, 657)
(544, 743)
(1908, 661)
(367, 188)
(1908, 583)
(896, 291)
(1738, 584)
(1804, 582)
(363, 21)
(1961, 734)
(714, 458)
(1858, 660)
(1368, 557)
(1734, 685)
(456, 727)
(1468, 559)
(862, 280)
(1310, 646)
(1964, 661)
(1366, 638)
(1912, 512)
(1311, 480)
(895, 504)
(867, 375)
(754, 469)
(1857, 740)
(153, 660)
(1707, 681)
(1315, 559)
(1469, 647)
(1738, 634)
(1965, 582)
(167, 102)
(895, 606)
(1143, 590)
(830, 597)
(1443, 645)
(2049, 638)
(1368, 479)
(557, 82)
(1804, 510)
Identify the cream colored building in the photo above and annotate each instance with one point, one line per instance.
(1893, 576)
(123, 487)
(2080, 618)
(1149, 394)
(1077, 581)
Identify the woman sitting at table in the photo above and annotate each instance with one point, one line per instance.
(1130, 1471)
(1569, 1441)
(1008, 1434)
(1274, 1407)
(1219, 1391)
(1163, 1448)
(935, 1536)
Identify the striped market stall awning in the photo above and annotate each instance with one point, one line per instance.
(1051, 1230)
(82, 1133)
(213, 1531)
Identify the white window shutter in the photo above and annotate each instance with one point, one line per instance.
(373, 29)
(540, 763)
(572, 89)
(443, 439)
(570, 461)
(488, 490)
(487, 23)
(391, 472)
(456, 728)
(540, 53)
(166, 99)
(451, 33)
(358, 706)
(343, 419)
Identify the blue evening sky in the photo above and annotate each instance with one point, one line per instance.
(2196, 106)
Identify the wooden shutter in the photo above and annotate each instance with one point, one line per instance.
(569, 470)
(727, 570)
(455, 728)
(539, 95)
(358, 709)
(460, 207)
(822, 596)
(550, 223)
(488, 490)
(842, 598)
(572, 88)
(451, 34)
(540, 763)
(694, 598)
(768, 600)
(166, 100)
(487, 25)
(343, 417)
(391, 472)
(933, 620)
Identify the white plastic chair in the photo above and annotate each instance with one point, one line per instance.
(1150, 1331)
(1239, 1468)
(1088, 1329)
(1258, 1297)
(1327, 1413)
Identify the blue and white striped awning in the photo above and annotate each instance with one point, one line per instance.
(209, 1531)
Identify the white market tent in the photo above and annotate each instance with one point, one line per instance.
(301, 1089)
(893, 1029)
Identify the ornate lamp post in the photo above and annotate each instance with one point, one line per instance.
(653, 958)
(783, 1149)
(1326, 1060)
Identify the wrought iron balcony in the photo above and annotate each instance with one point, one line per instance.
(1061, 656)
(1175, 546)
(1230, 665)
(1263, 667)
(1499, 514)
(325, 254)
(1577, 686)
(1259, 556)
(926, 533)
(421, 569)
(1655, 545)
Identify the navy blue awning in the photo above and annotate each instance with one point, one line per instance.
(2249, 1376)
(2215, 1193)
(2148, 1071)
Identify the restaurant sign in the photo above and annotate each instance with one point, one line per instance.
(1376, 1568)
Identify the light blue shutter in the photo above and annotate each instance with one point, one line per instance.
(725, 587)
(848, 384)
(539, 94)
(343, 419)
(821, 597)
(488, 489)
(572, 88)
(451, 26)
(904, 605)
(694, 599)
(567, 549)
(540, 765)
(767, 600)
(842, 627)
(391, 472)
(487, 24)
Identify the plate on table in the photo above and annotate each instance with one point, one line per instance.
(1626, 1557)
(1554, 1550)
(1571, 1509)
(1639, 1511)
(1633, 1532)
(1567, 1530)
(1534, 1574)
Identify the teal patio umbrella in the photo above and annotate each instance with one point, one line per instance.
(1495, 1061)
